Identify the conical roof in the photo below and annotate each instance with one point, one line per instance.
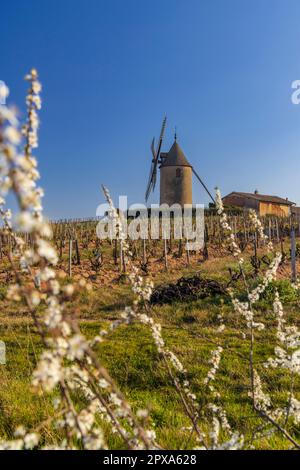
(176, 157)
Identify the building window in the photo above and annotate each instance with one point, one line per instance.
(178, 172)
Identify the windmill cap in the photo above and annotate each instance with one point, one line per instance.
(176, 157)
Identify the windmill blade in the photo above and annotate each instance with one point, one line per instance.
(204, 186)
(152, 175)
(152, 179)
(153, 148)
(161, 136)
(150, 182)
(155, 154)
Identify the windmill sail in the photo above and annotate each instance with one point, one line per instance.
(155, 160)
(153, 148)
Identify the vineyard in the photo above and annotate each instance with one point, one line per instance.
(81, 252)
(190, 292)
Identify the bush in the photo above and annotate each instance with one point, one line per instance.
(286, 292)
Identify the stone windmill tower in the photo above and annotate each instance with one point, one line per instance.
(175, 174)
(175, 177)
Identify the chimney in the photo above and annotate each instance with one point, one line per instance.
(256, 191)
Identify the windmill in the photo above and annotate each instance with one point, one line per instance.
(175, 173)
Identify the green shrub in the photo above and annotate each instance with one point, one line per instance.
(286, 292)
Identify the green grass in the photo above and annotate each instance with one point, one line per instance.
(189, 330)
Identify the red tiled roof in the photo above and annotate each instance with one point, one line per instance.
(262, 198)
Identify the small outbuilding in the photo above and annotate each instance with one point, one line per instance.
(263, 204)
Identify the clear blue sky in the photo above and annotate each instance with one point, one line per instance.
(220, 69)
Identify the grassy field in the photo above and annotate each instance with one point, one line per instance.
(190, 331)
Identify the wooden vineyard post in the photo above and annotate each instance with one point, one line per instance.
(281, 240)
(70, 256)
(123, 260)
(61, 249)
(172, 228)
(9, 246)
(277, 231)
(170, 243)
(115, 251)
(234, 226)
(187, 253)
(219, 234)
(205, 247)
(245, 231)
(255, 243)
(121, 256)
(165, 254)
(180, 248)
(293, 255)
(144, 251)
(77, 252)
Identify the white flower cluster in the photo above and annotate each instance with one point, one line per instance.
(269, 276)
(288, 336)
(219, 412)
(259, 227)
(67, 354)
(235, 442)
(141, 287)
(262, 401)
(112, 408)
(22, 440)
(33, 101)
(226, 227)
(48, 372)
(245, 308)
(287, 355)
(294, 409)
(215, 362)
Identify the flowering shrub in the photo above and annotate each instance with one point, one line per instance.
(69, 365)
